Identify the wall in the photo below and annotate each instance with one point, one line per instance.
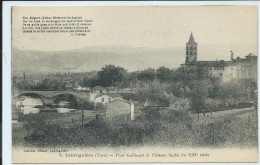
(247, 70)
(230, 72)
(94, 93)
(118, 108)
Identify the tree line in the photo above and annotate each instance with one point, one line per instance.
(157, 85)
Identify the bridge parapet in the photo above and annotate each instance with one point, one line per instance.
(48, 96)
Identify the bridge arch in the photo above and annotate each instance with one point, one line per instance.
(48, 97)
(20, 97)
(32, 94)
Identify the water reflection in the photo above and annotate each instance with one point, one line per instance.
(27, 105)
(32, 105)
(64, 110)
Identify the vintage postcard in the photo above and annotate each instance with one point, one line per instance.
(126, 84)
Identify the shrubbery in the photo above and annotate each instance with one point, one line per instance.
(99, 106)
(219, 105)
(169, 128)
(86, 105)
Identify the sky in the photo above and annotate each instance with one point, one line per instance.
(146, 26)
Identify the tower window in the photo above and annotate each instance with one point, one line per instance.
(191, 53)
(195, 53)
(187, 53)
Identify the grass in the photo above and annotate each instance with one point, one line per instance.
(170, 128)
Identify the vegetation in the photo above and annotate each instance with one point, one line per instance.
(157, 85)
(155, 125)
(166, 127)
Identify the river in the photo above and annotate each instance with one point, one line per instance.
(33, 105)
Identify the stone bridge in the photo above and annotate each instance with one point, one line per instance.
(48, 97)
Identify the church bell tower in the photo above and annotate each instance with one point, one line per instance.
(191, 50)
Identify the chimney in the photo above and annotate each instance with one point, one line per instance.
(232, 55)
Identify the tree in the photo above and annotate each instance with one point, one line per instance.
(111, 75)
(164, 74)
(147, 75)
(199, 96)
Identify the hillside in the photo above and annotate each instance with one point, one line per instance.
(131, 58)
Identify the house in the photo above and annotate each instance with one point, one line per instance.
(106, 97)
(179, 103)
(80, 88)
(120, 111)
(96, 91)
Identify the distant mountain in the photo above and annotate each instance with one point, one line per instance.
(131, 58)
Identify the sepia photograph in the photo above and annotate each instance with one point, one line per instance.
(134, 84)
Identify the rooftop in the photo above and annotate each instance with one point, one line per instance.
(191, 40)
(109, 94)
(122, 100)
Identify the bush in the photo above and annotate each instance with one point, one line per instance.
(99, 106)
(86, 105)
(172, 128)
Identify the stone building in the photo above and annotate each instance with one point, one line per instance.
(120, 110)
(106, 97)
(225, 70)
(96, 91)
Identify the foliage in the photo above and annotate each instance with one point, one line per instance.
(165, 74)
(157, 85)
(153, 91)
(111, 75)
(86, 105)
(147, 75)
(99, 106)
(170, 128)
(199, 95)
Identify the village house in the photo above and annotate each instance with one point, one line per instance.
(120, 111)
(106, 97)
(80, 88)
(96, 91)
(225, 70)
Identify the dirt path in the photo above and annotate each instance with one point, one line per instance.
(220, 115)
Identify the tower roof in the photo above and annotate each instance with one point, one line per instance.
(191, 40)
